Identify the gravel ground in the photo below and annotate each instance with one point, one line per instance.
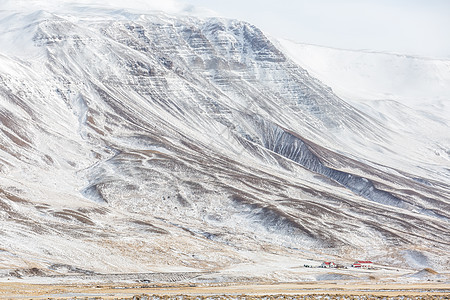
(330, 290)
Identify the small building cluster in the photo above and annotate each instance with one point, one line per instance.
(362, 264)
(330, 264)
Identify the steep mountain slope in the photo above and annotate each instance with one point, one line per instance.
(150, 142)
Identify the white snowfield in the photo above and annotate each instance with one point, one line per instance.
(410, 95)
(362, 76)
(134, 142)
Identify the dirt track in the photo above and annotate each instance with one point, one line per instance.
(110, 291)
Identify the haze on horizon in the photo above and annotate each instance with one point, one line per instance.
(414, 27)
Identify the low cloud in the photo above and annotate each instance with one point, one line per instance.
(170, 6)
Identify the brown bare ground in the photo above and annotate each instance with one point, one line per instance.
(224, 291)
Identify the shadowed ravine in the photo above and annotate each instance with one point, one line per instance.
(294, 148)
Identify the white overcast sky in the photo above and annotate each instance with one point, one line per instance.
(417, 27)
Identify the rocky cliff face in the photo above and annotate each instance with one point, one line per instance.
(133, 142)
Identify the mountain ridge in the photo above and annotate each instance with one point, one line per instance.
(202, 137)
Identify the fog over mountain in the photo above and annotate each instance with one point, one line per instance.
(153, 142)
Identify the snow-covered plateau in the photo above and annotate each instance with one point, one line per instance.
(157, 143)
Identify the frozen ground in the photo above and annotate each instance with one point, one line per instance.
(320, 290)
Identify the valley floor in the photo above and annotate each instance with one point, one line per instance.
(309, 290)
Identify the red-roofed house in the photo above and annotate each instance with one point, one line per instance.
(364, 264)
(328, 264)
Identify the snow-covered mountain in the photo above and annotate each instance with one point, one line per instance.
(135, 142)
(410, 95)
